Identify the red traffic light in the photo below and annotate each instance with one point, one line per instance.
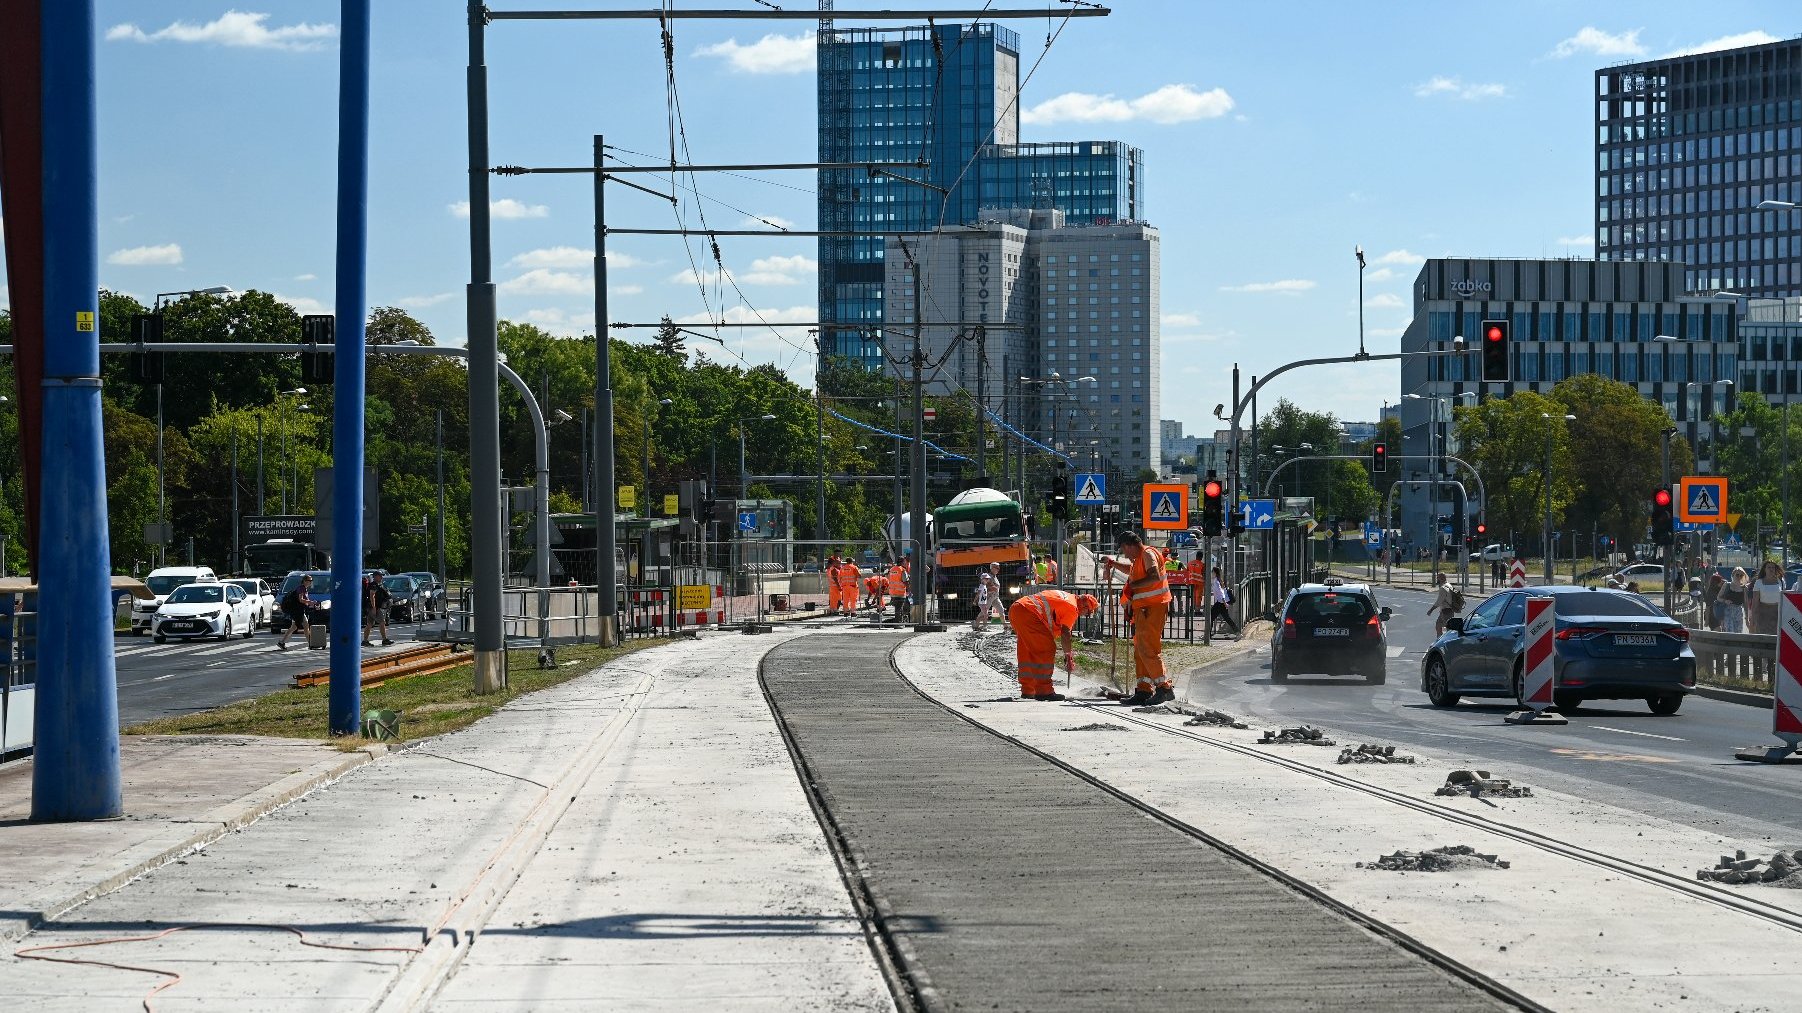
(1662, 498)
(1482, 528)
(1494, 333)
(1211, 490)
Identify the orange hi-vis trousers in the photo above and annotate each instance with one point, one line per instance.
(831, 593)
(1148, 646)
(1035, 653)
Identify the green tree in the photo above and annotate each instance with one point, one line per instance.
(669, 339)
(1616, 445)
(1506, 439)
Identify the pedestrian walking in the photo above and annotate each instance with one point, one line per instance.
(1042, 622)
(1767, 593)
(1448, 601)
(295, 605)
(1147, 599)
(988, 596)
(1733, 602)
(1219, 599)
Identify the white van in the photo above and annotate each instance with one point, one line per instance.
(161, 581)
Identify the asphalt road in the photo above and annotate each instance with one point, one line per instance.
(1679, 768)
(182, 677)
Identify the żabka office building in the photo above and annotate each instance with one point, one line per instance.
(1629, 321)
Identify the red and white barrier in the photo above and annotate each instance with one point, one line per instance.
(1538, 666)
(1786, 685)
(1517, 574)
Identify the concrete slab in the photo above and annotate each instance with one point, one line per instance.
(181, 792)
(1562, 931)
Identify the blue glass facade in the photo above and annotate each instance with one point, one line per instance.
(944, 96)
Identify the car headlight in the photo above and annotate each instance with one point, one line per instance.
(1013, 589)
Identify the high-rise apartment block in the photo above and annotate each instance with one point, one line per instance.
(1686, 149)
(943, 96)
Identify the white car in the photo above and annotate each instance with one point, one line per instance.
(162, 581)
(205, 610)
(260, 594)
(1493, 553)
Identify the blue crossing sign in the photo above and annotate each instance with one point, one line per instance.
(1257, 514)
(747, 521)
(1091, 489)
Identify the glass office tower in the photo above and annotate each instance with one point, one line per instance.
(1686, 148)
(945, 96)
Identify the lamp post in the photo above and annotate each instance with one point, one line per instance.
(1436, 450)
(1548, 492)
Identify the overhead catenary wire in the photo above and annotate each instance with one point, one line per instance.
(878, 430)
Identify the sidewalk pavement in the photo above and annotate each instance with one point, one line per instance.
(636, 838)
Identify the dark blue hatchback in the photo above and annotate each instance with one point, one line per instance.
(1608, 645)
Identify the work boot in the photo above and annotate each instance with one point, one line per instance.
(1165, 694)
(1051, 697)
(1139, 699)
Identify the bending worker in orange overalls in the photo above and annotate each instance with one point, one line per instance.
(1042, 622)
(847, 585)
(872, 590)
(1147, 600)
(832, 584)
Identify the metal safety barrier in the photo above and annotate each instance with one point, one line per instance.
(1734, 657)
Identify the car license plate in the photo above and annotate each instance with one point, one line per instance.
(1331, 631)
(1634, 639)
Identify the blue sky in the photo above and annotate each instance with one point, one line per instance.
(1275, 143)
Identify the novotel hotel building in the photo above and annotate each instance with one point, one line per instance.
(1626, 320)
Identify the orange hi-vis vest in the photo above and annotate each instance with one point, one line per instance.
(1057, 609)
(1146, 583)
(847, 577)
(897, 579)
(872, 584)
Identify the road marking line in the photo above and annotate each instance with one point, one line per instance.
(1649, 735)
(1396, 652)
(221, 649)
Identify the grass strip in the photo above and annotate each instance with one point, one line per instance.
(429, 704)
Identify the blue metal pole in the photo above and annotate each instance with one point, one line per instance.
(76, 773)
(346, 704)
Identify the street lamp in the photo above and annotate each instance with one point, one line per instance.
(1548, 493)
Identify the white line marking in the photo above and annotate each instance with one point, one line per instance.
(1648, 735)
(216, 650)
(1396, 652)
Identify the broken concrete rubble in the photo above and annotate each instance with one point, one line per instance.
(1306, 735)
(1446, 859)
(1479, 783)
(1367, 752)
(1784, 869)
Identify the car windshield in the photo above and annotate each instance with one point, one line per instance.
(1604, 603)
(189, 594)
(1330, 605)
(425, 579)
(249, 586)
(398, 583)
(161, 585)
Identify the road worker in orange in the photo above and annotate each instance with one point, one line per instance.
(897, 587)
(1146, 597)
(831, 572)
(872, 590)
(1042, 623)
(847, 586)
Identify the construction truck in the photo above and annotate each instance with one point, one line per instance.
(978, 527)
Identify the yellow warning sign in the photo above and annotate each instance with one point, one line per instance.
(670, 506)
(1733, 521)
(694, 597)
(628, 496)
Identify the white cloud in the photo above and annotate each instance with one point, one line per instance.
(758, 344)
(561, 322)
(544, 281)
(233, 28)
(304, 305)
(139, 256)
(767, 221)
(1751, 38)
(1583, 240)
(1173, 103)
(504, 208)
(1288, 286)
(797, 264)
(1384, 332)
(772, 54)
(625, 289)
(764, 271)
(1456, 88)
(419, 302)
(1385, 301)
(1380, 274)
(309, 276)
(1180, 320)
(1402, 257)
(554, 256)
(1593, 40)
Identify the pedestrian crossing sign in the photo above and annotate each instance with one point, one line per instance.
(1091, 489)
(1702, 499)
(1166, 507)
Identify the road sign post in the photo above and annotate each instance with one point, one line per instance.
(1786, 687)
(1166, 507)
(1257, 514)
(1537, 669)
(1702, 499)
(1091, 489)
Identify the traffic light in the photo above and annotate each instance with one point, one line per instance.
(1060, 491)
(1213, 506)
(1663, 523)
(1482, 529)
(147, 328)
(1379, 458)
(318, 329)
(1495, 351)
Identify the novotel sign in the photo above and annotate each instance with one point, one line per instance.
(1464, 288)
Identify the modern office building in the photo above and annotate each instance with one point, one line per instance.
(1627, 321)
(943, 95)
(1079, 301)
(1686, 148)
(1770, 349)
